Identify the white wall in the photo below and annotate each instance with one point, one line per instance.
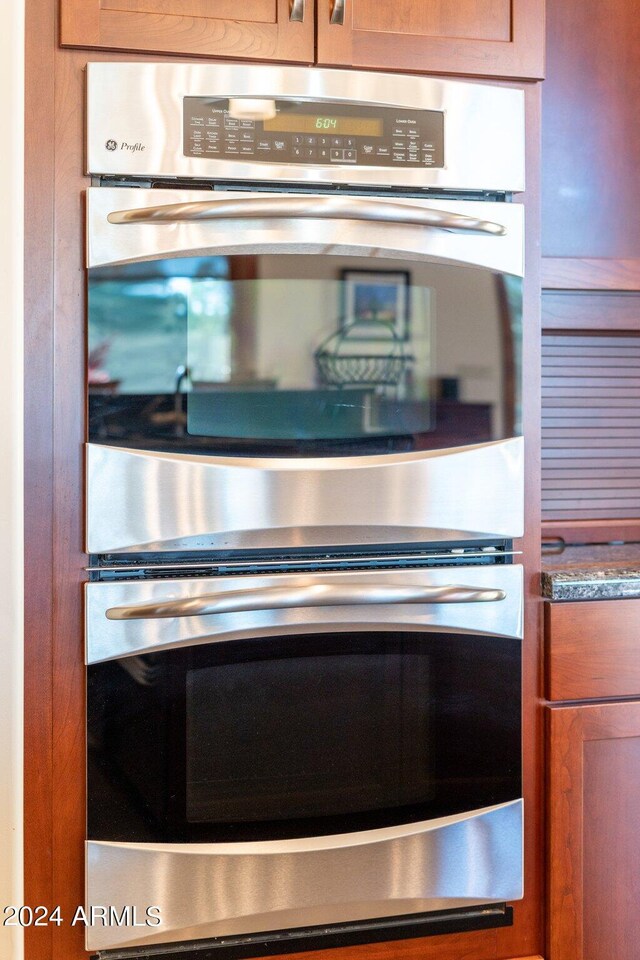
(11, 297)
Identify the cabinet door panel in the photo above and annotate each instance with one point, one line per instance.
(256, 11)
(251, 30)
(479, 19)
(496, 38)
(594, 785)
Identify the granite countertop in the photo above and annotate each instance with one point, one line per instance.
(592, 572)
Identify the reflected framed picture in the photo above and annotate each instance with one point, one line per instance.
(373, 300)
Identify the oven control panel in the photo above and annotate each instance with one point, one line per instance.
(312, 132)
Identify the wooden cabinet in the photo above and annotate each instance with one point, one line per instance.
(592, 649)
(591, 137)
(495, 38)
(241, 29)
(594, 791)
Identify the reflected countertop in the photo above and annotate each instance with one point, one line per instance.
(592, 572)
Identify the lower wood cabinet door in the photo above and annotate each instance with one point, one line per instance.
(594, 822)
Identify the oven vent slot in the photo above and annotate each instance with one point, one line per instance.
(175, 183)
(167, 565)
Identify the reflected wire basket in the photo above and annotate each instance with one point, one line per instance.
(337, 368)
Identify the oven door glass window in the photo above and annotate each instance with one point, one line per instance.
(299, 354)
(314, 735)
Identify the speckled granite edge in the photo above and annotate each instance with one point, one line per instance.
(611, 584)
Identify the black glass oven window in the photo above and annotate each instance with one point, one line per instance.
(307, 737)
(294, 354)
(310, 735)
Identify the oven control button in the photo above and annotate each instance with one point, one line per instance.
(298, 140)
(279, 145)
(367, 149)
(350, 142)
(264, 145)
(310, 153)
(337, 155)
(324, 154)
(351, 155)
(310, 141)
(336, 141)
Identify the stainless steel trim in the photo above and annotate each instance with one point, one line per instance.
(212, 890)
(337, 11)
(313, 595)
(136, 501)
(296, 11)
(138, 106)
(311, 208)
(141, 234)
(110, 639)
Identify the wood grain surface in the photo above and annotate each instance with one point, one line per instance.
(591, 425)
(594, 842)
(591, 137)
(39, 493)
(593, 649)
(474, 37)
(587, 311)
(592, 531)
(250, 30)
(566, 273)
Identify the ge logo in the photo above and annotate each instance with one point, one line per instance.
(111, 145)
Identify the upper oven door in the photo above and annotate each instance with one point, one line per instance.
(276, 327)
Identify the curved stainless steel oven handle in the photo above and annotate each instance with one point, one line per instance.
(315, 208)
(312, 595)
(296, 11)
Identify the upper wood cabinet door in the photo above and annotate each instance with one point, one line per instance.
(242, 29)
(493, 38)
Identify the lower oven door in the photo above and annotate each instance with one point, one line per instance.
(276, 752)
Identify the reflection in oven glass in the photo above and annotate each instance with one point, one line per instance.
(304, 354)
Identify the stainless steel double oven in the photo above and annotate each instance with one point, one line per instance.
(304, 480)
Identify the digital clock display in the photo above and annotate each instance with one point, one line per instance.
(315, 123)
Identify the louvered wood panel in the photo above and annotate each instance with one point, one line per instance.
(591, 426)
